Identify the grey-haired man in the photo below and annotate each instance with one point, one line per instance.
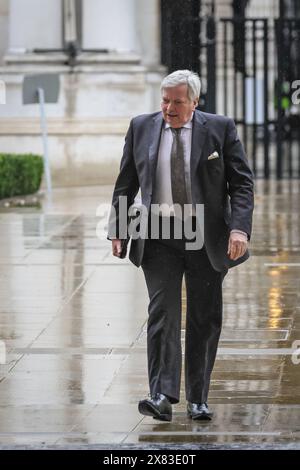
(182, 157)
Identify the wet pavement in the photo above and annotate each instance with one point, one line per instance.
(73, 321)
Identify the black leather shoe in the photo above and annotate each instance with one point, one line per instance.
(199, 411)
(157, 406)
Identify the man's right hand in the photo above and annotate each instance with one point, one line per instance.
(116, 247)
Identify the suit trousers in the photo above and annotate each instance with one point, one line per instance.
(164, 264)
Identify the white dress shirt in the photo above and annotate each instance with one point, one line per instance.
(163, 188)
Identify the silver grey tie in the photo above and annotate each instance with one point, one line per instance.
(179, 194)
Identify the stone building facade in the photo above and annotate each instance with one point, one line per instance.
(116, 76)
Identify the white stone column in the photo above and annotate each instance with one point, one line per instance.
(4, 10)
(148, 29)
(35, 24)
(110, 24)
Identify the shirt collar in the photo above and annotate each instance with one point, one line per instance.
(187, 125)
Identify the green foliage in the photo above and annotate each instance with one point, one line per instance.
(20, 174)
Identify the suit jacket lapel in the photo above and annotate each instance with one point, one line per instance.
(155, 134)
(198, 139)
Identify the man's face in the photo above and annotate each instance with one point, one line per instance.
(176, 107)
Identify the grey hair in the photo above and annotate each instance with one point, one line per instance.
(183, 77)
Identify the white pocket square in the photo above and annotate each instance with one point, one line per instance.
(213, 156)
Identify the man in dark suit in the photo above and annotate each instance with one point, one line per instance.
(182, 159)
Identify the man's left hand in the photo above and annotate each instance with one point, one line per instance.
(237, 245)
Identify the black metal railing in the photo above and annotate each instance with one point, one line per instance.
(247, 68)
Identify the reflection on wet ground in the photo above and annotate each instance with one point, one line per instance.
(73, 321)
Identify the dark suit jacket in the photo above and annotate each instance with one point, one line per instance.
(224, 185)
